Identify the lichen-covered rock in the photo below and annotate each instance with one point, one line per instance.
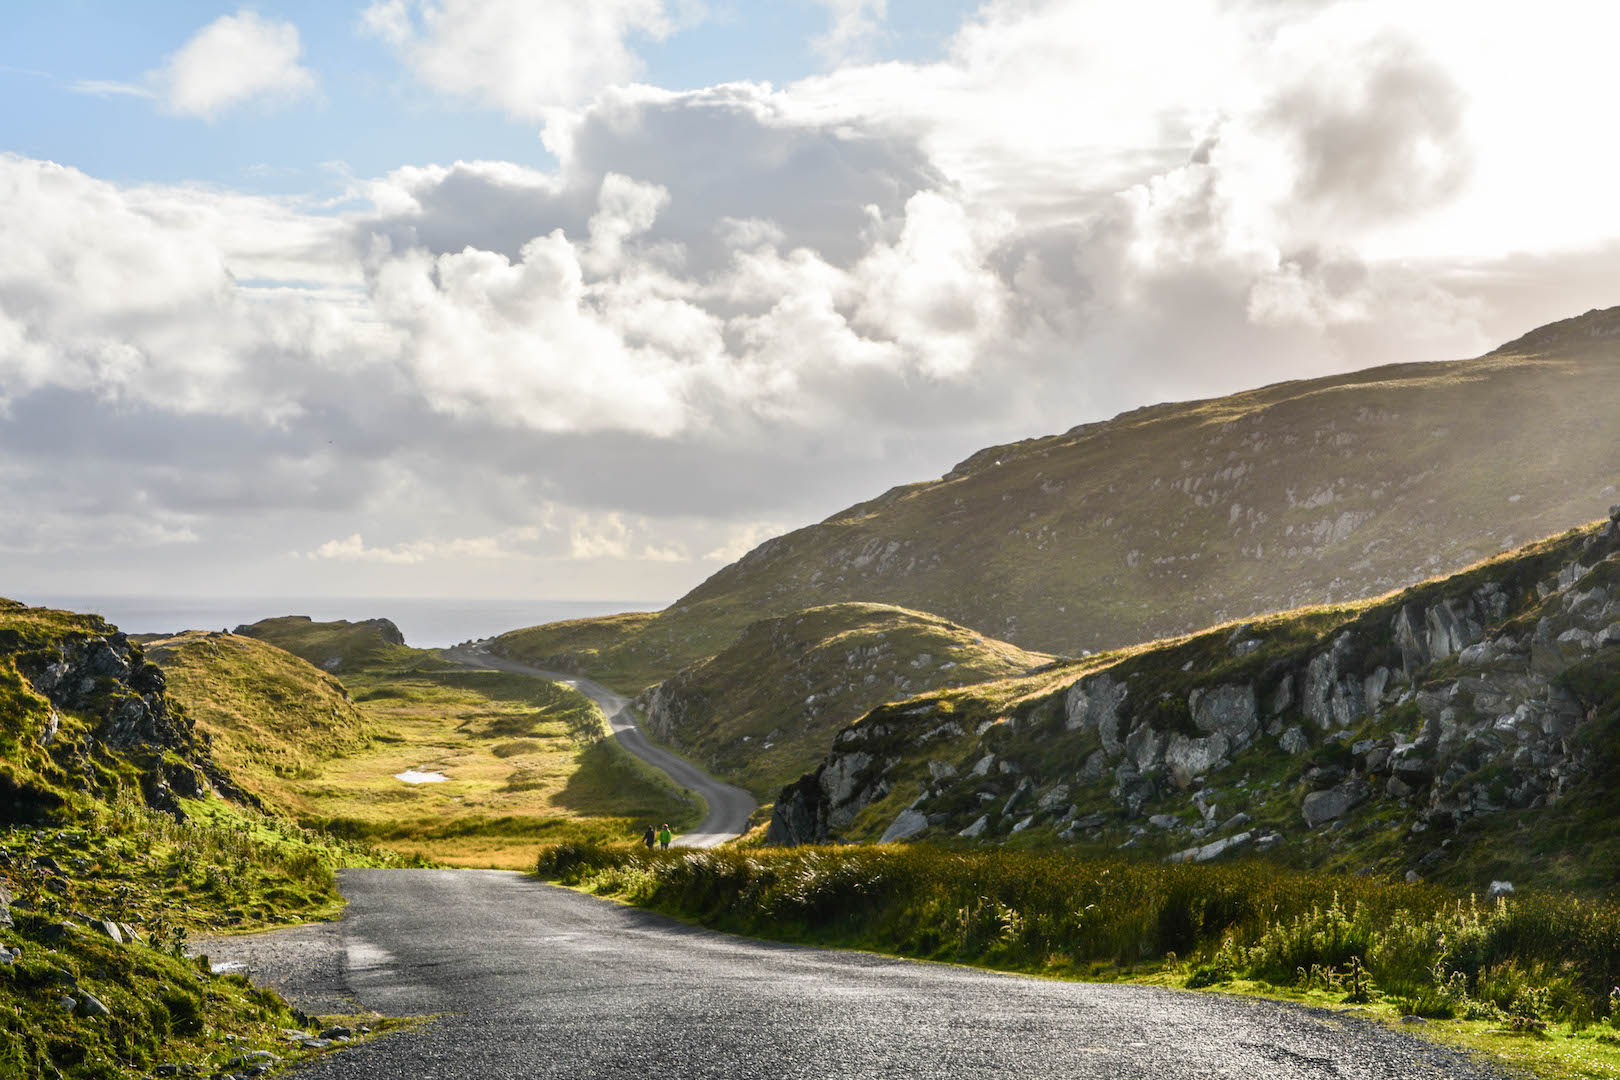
(1095, 704)
(1230, 710)
(908, 824)
(1321, 807)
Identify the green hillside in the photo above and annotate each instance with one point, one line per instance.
(764, 708)
(123, 833)
(272, 716)
(1184, 515)
(335, 646)
(1466, 730)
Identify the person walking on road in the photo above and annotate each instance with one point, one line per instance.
(664, 837)
(648, 838)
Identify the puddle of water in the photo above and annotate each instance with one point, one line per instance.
(416, 776)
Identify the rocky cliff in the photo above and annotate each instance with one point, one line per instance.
(87, 714)
(1401, 731)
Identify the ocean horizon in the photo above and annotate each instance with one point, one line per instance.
(426, 622)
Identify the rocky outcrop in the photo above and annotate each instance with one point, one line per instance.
(106, 679)
(1448, 702)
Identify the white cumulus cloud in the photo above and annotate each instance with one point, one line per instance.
(524, 56)
(234, 59)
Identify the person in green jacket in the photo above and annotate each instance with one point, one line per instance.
(664, 837)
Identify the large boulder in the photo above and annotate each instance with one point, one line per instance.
(907, 825)
(1321, 807)
(1231, 710)
(1095, 703)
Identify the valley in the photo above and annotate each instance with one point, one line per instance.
(1349, 641)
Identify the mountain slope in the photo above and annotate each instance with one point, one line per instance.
(268, 713)
(1183, 515)
(334, 646)
(762, 710)
(1467, 728)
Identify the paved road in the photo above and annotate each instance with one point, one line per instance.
(539, 981)
(729, 807)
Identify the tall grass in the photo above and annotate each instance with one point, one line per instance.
(1427, 949)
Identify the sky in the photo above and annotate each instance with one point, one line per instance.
(537, 299)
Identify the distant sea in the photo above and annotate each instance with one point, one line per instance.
(427, 623)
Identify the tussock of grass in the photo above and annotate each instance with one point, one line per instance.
(1530, 960)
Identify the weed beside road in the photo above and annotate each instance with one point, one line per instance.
(1526, 967)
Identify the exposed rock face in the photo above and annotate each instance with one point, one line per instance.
(106, 679)
(1450, 702)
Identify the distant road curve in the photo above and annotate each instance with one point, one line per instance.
(729, 807)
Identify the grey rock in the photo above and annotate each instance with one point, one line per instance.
(110, 929)
(1144, 747)
(1413, 877)
(1186, 758)
(1212, 850)
(1294, 741)
(1321, 807)
(1283, 697)
(976, 830)
(1053, 800)
(1024, 824)
(1095, 768)
(1610, 635)
(941, 770)
(1168, 822)
(315, 1044)
(1231, 710)
(1020, 793)
(1576, 638)
(1499, 889)
(92, 1006)
(983, 766)
(1090, 821)
(1095, 703)
(907, 825)
(67, 1004)
(1236, 821)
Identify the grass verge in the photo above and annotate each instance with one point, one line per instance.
(1529, 979)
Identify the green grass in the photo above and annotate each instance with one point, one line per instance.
(764, 709)
(271, 715)
(1528, 979)
(224, 869)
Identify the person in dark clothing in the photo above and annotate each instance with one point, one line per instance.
(648, 837)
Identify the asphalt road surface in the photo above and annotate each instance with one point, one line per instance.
(538, 981)
(729, 807)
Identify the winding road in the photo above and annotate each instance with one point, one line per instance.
(532, 980)
(729, 807)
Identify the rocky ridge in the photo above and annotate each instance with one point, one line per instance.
(81, 666)
(1444, 705)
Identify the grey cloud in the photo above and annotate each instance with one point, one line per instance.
(1385, 146)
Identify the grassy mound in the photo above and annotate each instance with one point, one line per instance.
(272, 715)
(765, 708)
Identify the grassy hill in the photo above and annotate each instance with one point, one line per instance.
(334, 646)
(1466, 729)
(1183, 515)
(764, 708)
(117, 843)
(272, 716)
